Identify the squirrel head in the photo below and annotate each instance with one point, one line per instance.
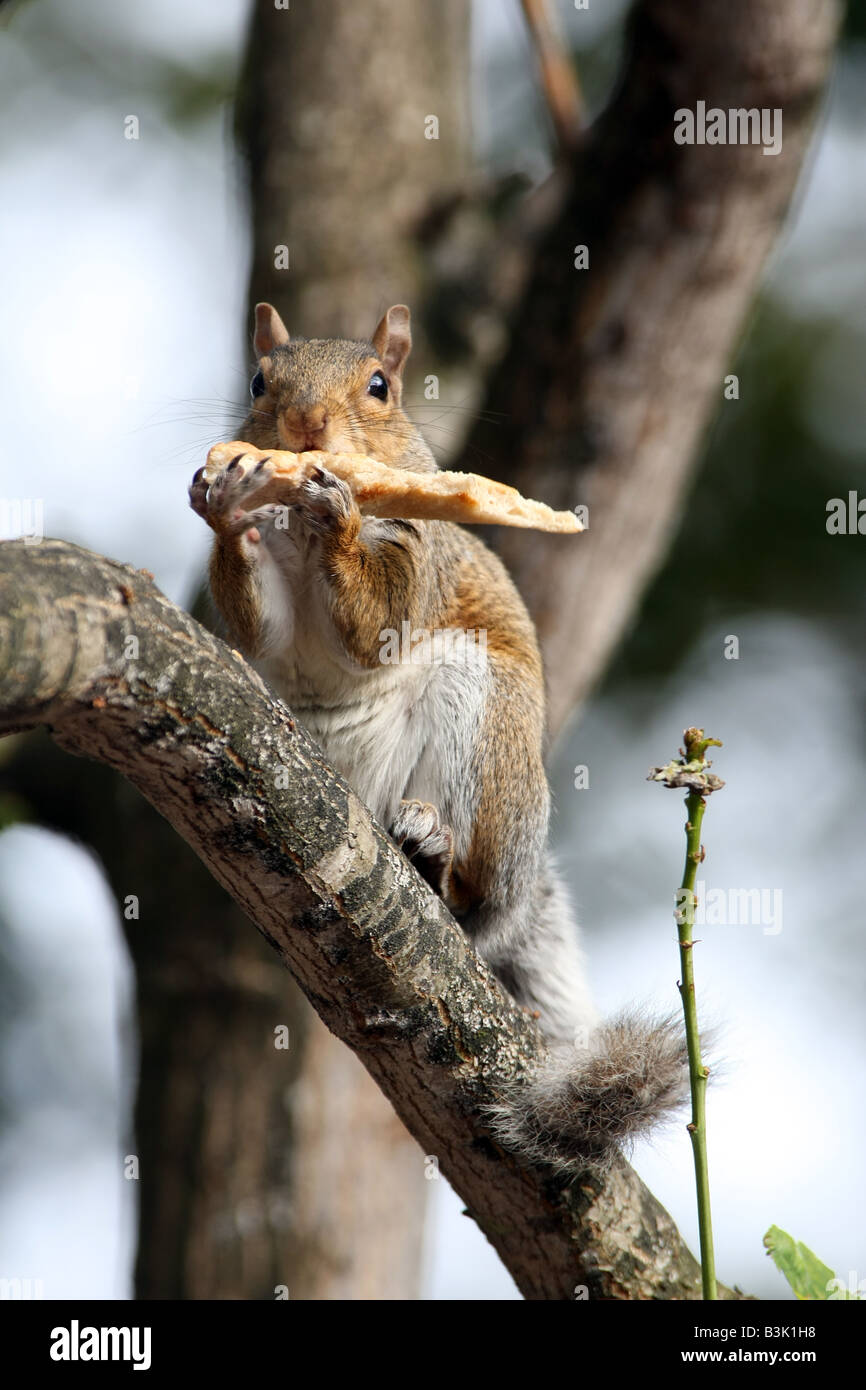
(330, 393)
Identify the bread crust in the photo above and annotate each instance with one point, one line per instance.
(380, 490)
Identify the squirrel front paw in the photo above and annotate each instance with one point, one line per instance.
(325, 503)
(220, 497)
(423, 838)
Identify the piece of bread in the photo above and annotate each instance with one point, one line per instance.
(395, 492)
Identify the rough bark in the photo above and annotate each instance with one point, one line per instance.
(612, 373)
(193, 727)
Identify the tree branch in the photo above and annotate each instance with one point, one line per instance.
(195, 729)
(612, 372)
(558, 76)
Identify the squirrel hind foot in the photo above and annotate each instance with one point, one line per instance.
(420, 834)
(582, 1107)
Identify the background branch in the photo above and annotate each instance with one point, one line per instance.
(612, 373)
(558, 76)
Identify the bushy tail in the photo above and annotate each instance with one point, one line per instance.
(583, 1105)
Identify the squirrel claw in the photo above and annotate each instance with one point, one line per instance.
(198, 493)
(220, 499)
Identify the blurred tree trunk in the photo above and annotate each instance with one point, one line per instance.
(210, 1115)
(331, 118)
(332, 115)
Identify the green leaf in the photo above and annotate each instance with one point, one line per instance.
(808, 1276)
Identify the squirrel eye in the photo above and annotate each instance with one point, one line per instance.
(257, 385)
(378, 386)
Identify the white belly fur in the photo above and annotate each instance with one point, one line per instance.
(398, 731)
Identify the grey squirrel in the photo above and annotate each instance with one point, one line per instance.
(446, 752)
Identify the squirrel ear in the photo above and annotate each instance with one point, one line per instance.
(393, 339)
(270, 331)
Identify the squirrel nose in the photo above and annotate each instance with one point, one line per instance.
(307, 424)
(308, 421)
